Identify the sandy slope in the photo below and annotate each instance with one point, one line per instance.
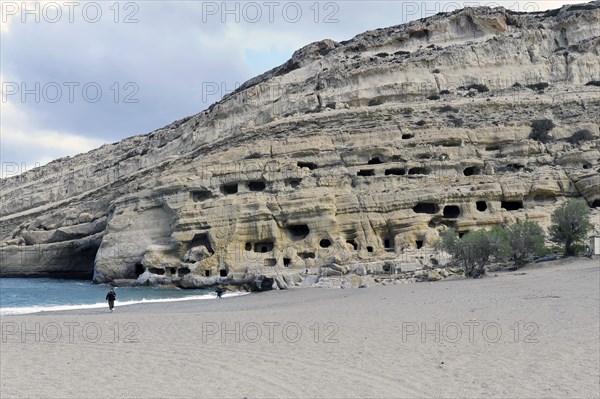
(363, 353)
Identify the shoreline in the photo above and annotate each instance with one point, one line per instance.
(378, 281)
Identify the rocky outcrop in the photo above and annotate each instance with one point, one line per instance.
(351, 158)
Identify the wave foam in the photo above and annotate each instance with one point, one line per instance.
(58, 308)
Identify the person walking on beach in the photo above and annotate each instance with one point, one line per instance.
(110, 297)
(219, 292)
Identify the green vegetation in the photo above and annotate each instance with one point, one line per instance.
(526, 239)
(475, 250)
(538, 86)
(581, 135)
(571, 225)
(480, 88)
(540, 129)
(447, 108)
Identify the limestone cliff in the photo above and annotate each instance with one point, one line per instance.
(348, 153)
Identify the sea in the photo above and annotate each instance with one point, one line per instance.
(32, 295)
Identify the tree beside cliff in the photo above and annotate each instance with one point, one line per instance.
(571, 225)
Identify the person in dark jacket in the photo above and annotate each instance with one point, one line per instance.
(219, 292)
(110, 297)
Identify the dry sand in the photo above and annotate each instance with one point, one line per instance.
(555, 307)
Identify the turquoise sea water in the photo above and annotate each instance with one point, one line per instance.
(30, 295)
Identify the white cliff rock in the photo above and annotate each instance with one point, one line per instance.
(349, 155)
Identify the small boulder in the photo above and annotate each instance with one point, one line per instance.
(434, 276)
(360, 270)
(85, 217)
(339, 268)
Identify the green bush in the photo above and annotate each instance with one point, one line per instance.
(480, 88)
(447, 108)
(571, 225)
(581, 135)
(526, 239)
(540, 129)
(475, 249)
(538, 86)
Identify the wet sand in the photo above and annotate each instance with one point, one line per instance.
(532, 333)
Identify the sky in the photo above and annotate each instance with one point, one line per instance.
(78, 74)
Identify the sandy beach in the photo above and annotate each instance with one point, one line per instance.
(531, 333)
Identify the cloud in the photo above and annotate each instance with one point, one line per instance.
(25, 145)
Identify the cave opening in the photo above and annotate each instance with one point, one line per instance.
(407, 136)
(156, 270)
(202, 239)
(248, 247)
(395, 172)
(417, 171)
(370, 249)
(307, 255)
(223, 272)
(426, 207)
(325, 243)
(366, 172)
(514, 167)
(309, 165)
(451, 211)
(353, 243)
(481, 206)
(375, 161)
(207, 273)
(419, 244)
(294, 183)
(596, 203)
(287, 262)
(299, 231)
(229, 188)
(183, 271)
(200, 195)
(388, 243)
(139, 269)
(270, 262)
(471, 171)
(172, 271)
(257, 185)
(263, 247)
(512, 205)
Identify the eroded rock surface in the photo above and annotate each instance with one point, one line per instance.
(349, 159)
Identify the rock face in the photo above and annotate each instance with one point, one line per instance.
(351, 157)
